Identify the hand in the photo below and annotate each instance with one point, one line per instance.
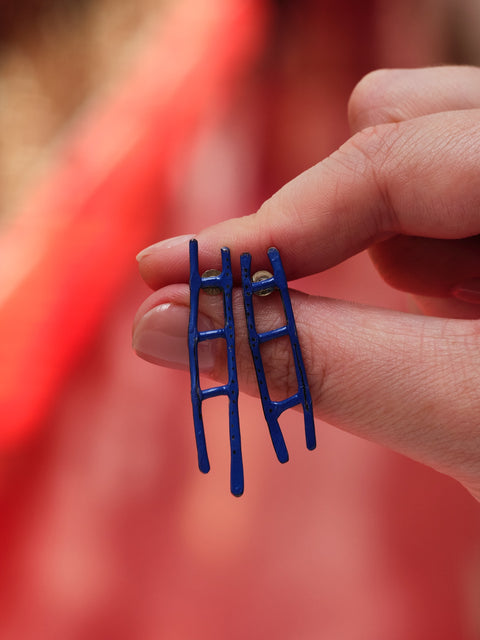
(406, 186)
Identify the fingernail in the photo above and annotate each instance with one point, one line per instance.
(164, 244)
(468, 291)
(161, 337)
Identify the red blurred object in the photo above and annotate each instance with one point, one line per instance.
(66, 253)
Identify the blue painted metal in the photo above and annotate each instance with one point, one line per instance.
(273, 409)
(224, 281)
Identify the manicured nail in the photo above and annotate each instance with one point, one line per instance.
(164, 244)
(468, 291)
(161, 337)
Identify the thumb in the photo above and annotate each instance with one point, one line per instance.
(408, 382)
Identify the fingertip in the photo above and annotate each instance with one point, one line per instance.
(160, 337)
(172, 294)
(162, 245)
(165, 262)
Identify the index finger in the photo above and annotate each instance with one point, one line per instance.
(418, 177)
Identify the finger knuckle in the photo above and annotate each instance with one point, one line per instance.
(375, 154)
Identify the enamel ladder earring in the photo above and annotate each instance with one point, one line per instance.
(262, 283)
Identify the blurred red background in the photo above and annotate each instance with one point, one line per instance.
(124, 126)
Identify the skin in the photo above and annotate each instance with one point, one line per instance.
(405, 186)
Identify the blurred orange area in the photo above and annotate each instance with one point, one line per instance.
(189, 112)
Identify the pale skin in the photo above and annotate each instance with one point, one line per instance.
(406, 186)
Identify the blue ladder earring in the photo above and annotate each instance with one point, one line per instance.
(273, 409)
(215, 281)
(224, 282)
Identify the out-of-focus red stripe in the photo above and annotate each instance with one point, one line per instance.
(67, 252)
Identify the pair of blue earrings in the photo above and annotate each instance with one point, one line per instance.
(223, 282)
